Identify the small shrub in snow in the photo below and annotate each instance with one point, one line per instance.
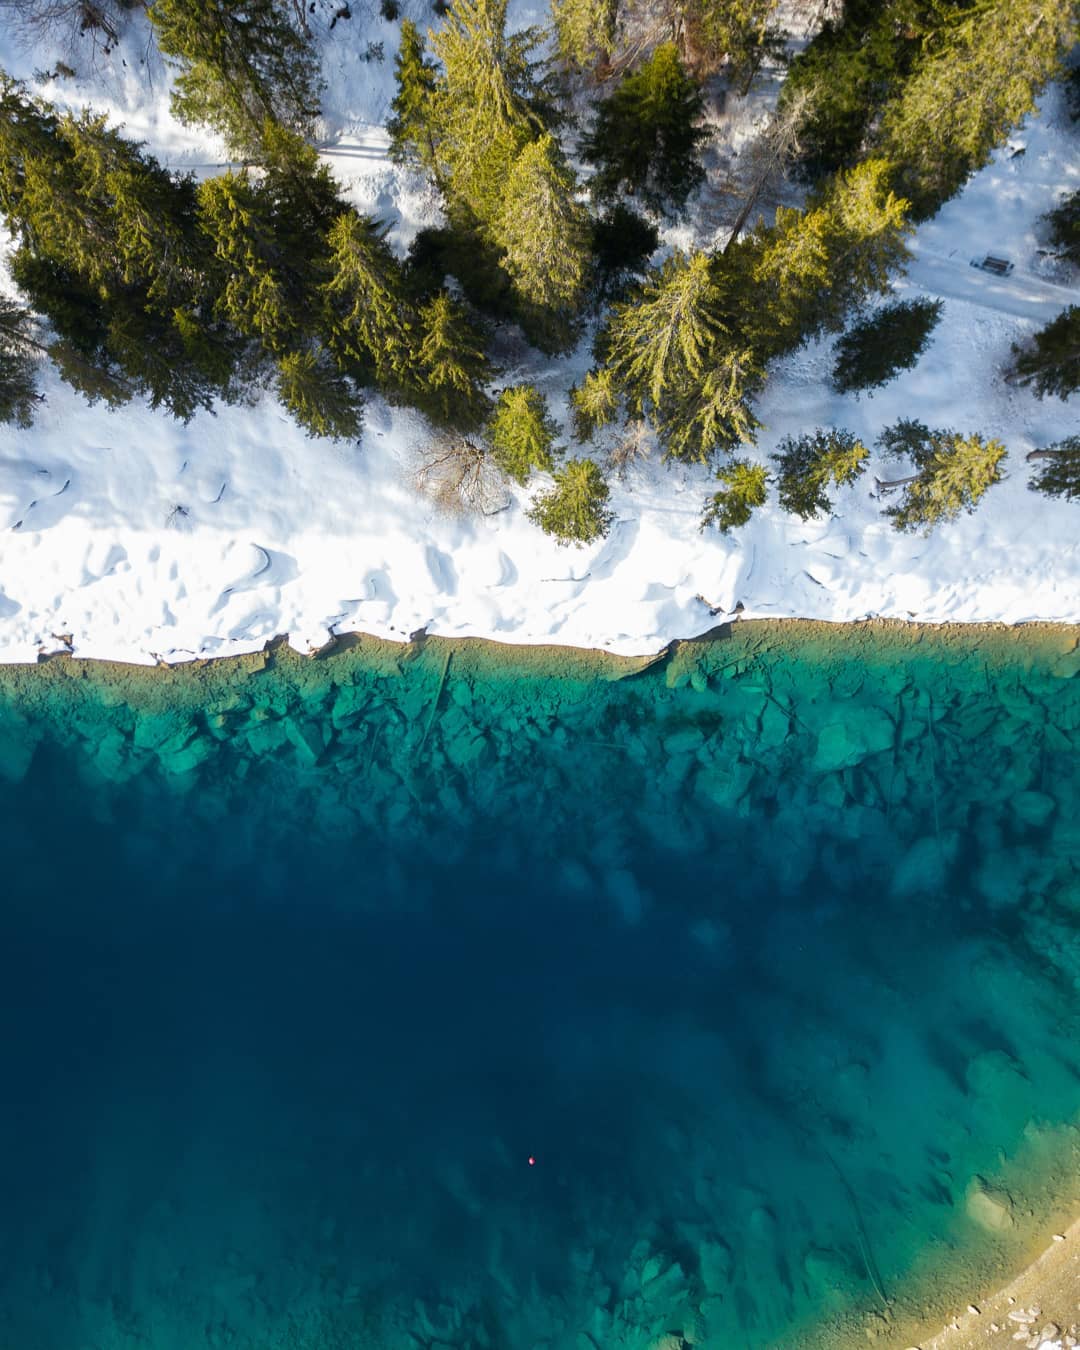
(575, 510)
(810, 463)
(744, 489)
(522, 434)
(877, 348)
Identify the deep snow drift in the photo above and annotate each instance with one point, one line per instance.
(128, 535)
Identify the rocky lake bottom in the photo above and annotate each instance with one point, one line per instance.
(453, 995)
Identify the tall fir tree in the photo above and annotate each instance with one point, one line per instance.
(241, 64)
(646, 136)
(585, 31)
(489, 104)
(593, 403)
(974, 84)
(735, 36)
(1050, 363)
(952, 472)
(715, 411)
(1058, 472)
(543, 233)
(451, 367)
(808, 465)
(371, 321)
(522, 432)
(1064, 223)
(322, 399)
(876, 349)
(413, 110)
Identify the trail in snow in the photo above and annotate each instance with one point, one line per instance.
(1021, 294)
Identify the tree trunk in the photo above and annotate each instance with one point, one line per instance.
(896, 482)
(1041, 454)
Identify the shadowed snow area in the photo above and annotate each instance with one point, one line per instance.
(127, 534)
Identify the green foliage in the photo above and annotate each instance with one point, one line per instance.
(645, 137)
(876, 349)
(969, 90)
(810, 269)
(659, 341)
(851, 67)
(735, 35)
(18, 376)
(371, 324)
(241, 64)
(809, 464)
(575, 510)
(521, 431)
(451, 368)
(952, 473)
(743, 491)
(585, 30)
(621, 245)
(412, 138)
(714, 412)
(489, 104)
(316, 393)
(1064, 223)
(593, 403)
(1058, 474)
(543, 233)
(1051, 364)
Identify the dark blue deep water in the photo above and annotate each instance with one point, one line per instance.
(398, 1001)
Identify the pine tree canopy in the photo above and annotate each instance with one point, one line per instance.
(1064, 223)
(593, 403)
(451, 367)
(713, 412)
(585, 30)
(952, 473)
(1051, 363)
(744, 488)
(543, 231)
(411, 126)
(659, 341)
(240, 63)
(646, 136)
(809, 464)
(575, 510)
(321, 399)
(521, 431)
(1058, 473)
(977, 80)
(370, 320)
(489, 104)
(735, 34)
(892, 339)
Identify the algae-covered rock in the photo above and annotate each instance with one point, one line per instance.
(864, 731)
(924, 868)
(988, 1206)
(684, 742)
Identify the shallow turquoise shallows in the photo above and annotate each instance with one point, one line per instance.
(459, 996)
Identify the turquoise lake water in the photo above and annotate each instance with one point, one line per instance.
(461, 998)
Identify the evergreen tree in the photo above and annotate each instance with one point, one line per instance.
(411, 127)
(952, 473)
(971, 88)
(242, 64)
(1064, 223)
(1058, 474)
(585, 30)
(489, 104)
(593, 403)
(809, 464)
(575, 510)
(451, 367)
(18, 376)
(1051, 364)
(735, 35)
(543, 233)
(714, 412)
(371, 322)
(876, 349)
(659, 342)
(521, 431)
(743, 491)
(316, 393)
(646, 136)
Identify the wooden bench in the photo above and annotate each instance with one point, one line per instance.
(1001, 267)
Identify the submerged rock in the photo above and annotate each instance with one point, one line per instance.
(988, 1206)
(865, 731)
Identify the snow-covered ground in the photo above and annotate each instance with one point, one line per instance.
(127, 535)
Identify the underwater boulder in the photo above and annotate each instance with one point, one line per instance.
(988, 1206)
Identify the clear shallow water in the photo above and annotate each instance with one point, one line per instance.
(762, 955)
